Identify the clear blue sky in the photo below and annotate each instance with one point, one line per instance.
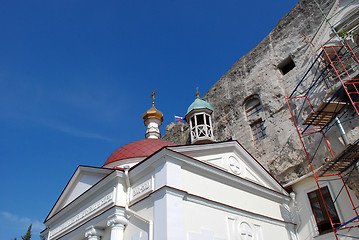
(77, 75)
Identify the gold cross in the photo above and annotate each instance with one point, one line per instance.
(153, 97)
(197, 93)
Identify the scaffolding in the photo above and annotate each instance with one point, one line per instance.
(326, 97)
(334, 75)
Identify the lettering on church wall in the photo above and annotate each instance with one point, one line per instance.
(141, 189)
(83, 214)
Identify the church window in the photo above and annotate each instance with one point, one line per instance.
(258, 130)
(286, 65)
(318, 208)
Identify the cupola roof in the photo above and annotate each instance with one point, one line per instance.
(138, 149)
(199, 103)
(152, 112)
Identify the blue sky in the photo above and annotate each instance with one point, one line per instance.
(77, 75)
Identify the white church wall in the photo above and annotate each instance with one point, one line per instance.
(138, 229)
(226, 193)
(209, 223)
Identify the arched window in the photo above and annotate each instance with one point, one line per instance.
(253, 108)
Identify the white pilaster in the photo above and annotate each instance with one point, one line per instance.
(93, 233)
(168, 174)
(168, 204)
(117, 223)
(169, 215)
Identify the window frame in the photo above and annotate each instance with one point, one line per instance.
(260, 135)
(253, 109)
(327, 196)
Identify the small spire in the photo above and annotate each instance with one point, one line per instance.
(153, 97)
(153, 119)
(197, 93)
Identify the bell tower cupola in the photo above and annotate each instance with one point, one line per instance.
(153, 119)
(199, 116)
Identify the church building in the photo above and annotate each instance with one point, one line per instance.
(153, 189)
(292, 102)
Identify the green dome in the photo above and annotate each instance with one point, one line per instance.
(199, 103)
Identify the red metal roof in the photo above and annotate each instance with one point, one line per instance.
(140, 148)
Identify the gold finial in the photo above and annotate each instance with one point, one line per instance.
(197, 93)
(153, 97)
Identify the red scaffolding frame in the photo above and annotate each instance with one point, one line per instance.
(332, 65)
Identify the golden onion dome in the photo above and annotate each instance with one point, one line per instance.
(152, 113)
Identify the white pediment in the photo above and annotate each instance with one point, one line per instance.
(233, 158)
(82, 180)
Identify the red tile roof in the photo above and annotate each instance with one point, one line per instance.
(140, 148)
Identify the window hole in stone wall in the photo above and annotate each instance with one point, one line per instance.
(286, 65)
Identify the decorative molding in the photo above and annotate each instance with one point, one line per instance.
(235, 180)
(230, 209)
(93, 233)
(117, 220)
(235, 165)
(141, 189)
(240, 229)
(159, 193)
(83, 214)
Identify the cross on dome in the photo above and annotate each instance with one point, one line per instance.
(153, 97)
(153, 119)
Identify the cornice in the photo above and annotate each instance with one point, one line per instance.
(214, 172)
(186, 196)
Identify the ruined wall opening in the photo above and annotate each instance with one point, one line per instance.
(286, 65)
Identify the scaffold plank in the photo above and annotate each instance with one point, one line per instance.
(348, 157)
(324, 114)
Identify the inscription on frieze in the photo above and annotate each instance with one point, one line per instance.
(141, 189)
(83, 214)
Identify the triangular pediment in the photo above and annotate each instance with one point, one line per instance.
(233, 158)
(82, 180)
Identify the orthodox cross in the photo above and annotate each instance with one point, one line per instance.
(153, 97)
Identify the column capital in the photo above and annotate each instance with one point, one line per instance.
(117, 219)
(93, 233)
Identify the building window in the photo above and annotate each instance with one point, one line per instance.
(286, 65)
(258, 130)
(253, 108)
(201, 126)
(318, 208)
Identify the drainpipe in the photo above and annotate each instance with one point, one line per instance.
(342, 132)
(131, 212)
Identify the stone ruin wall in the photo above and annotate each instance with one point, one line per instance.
(257, 73)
